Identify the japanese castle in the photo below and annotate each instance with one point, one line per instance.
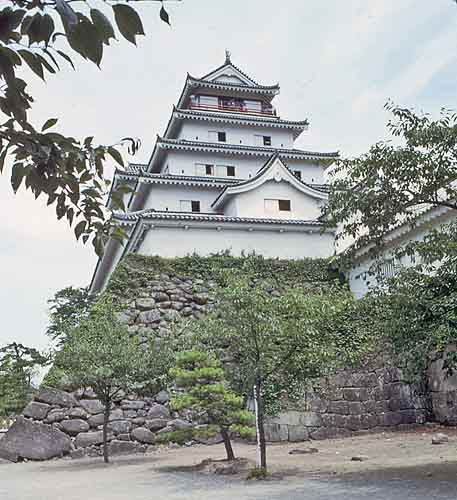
(224, 176)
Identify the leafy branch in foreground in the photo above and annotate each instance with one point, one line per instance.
(40, 35)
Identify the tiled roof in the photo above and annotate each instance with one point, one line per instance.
(240, 119)
(206, 217)
(208, 83)
(242, 149)
(134, 168)
(227, 63)
(217, 182)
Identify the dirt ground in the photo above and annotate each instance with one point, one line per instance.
(395, 466)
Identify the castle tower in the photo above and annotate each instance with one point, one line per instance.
(225, 175)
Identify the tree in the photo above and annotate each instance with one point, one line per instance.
(391, 184)
(416, 313)
(68, 308)
(40, 34)
(207, 394)
(18, 365)
(101, 354)
(273, 345)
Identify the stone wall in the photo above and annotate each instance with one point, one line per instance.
(154, 294)
(351, 403)
(58, 423)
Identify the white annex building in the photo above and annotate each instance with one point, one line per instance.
(225, 176)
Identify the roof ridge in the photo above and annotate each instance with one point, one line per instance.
(238, 147)
(269, 119)
(142, 214)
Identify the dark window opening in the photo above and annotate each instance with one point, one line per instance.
(284, 205)
(209, 169)
(195, 206)
(297, 174)
(267, 140)
(231, 171)
(222, 137)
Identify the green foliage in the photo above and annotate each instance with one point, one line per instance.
(100, 353)
(278, 342)
(41, 35)
(180, 436)
(416, 315)
(68, 308)
(18, 365)
(391, 184)
(206, 393)
(136, 271)
(257, 474)
(287, 339)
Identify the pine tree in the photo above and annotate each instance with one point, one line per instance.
(206, 393)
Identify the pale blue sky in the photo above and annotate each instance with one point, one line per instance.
(337, 61)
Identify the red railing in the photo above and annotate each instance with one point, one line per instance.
(233, 109)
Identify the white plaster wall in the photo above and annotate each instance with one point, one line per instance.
(252, 203)
(360, 282)
(183, 163)
(167, 197)
(311, 172)
(178, 242)
(192, 130)
(231, 207)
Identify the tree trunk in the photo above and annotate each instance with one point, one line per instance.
(260, 425)
(227, 444)
(106, 416)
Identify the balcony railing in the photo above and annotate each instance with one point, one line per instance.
(233, 108)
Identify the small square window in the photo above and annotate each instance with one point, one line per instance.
(267, 140)
(284, 205)
(297, 174)
(222, 137)
(195, 206)
(230, 171)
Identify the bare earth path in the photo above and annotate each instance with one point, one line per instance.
(398, 467)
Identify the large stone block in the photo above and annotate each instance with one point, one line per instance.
(162, 397)
(355, 408)
(334, 420)
(153, 424)
(338, 407)
(120, 447)
(275, 433)
(120, 426)
(145, 304)
(34, 441)
(143, 435)
(37, 411)
(74, 426)
(356, 394)
(297, 433)
(148, 317)
(55, 397)
(85, 439)
(158, 411)
(354, 422)
(127, 404)
(77, 412)
(55, 415)
(92, 406)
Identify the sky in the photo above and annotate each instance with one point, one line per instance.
(338, 62)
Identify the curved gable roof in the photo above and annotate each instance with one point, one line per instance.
(275, 170)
